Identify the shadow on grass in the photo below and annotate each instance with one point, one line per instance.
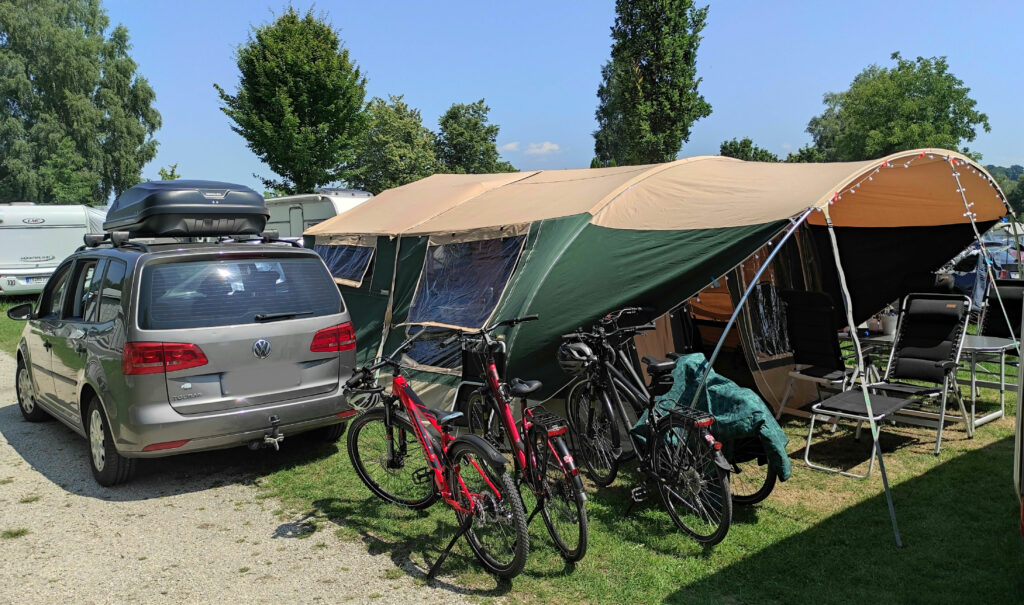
(959, 527)
(62, 456)
(414, 542)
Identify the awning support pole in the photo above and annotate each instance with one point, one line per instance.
(984, 251)
(743, 299)
(848, 306)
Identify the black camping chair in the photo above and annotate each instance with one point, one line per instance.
(998, 341)
(927, 346)
(993, 322)
(813, 336)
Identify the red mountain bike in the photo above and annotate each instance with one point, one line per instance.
(466, 472)
(541, 457)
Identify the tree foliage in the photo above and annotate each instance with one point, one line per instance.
(744, 149)
(465, 142)
(396, 148)
(299, 102)
(78, 121)
(648, 99)
(170, 173)
(1015, 198)
(913, 104)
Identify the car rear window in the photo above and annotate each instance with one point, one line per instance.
(223, 292)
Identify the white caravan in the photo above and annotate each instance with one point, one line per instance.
(293, 214)
(34, 239)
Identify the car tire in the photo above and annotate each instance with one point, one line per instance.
(329, 434)
(108, 466)
(30, 409)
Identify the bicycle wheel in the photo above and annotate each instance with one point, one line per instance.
(751, 480)
(498, 534)
(484, 420)
(694, 489)
(564, 511)
(595, 432)
(403, 477)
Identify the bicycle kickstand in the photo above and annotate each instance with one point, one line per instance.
(533, 514)
(466, 524)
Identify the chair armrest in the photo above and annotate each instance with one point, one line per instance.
(947, 365)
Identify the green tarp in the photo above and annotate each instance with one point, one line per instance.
(739, 412)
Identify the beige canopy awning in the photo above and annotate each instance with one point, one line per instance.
(705, 192)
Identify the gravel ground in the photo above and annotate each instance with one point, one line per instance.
(188, 529)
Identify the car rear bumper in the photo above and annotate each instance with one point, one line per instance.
(158, 425)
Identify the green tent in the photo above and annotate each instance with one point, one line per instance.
(571, 245)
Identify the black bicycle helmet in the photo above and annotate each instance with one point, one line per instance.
(573, 357)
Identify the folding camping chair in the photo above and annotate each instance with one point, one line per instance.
(929, 338)
(813, 336)
(997, 337)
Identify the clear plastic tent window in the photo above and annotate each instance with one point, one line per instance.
(347, 263)
(461, 283)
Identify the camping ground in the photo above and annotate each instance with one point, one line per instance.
(818, 538)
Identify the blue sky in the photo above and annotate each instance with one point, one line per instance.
(765, 66)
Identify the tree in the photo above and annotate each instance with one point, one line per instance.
(1016, 200)
(648, 97)
(807, 153)
(914, 104)
(396, 148)
(744, 149)
(299, 102)
(78, 121)
(170, 173)
(465, 142)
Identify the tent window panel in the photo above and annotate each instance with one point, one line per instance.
(461, 283)
(429, 350)
(348, 263)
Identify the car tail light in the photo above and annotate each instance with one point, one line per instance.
(341, 337)
(347, 414)
(167, 445)
(160, 357)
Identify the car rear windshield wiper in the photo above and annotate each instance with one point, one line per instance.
(276, 316)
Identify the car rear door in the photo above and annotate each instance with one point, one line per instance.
(242, 332)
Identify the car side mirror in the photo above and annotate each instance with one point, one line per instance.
(20, 312)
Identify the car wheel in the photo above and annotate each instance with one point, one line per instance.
(108, 467)
(27, 396)
(329, 434)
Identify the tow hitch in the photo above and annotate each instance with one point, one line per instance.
(272, 439)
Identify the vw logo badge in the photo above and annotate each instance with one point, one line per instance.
(261, 349)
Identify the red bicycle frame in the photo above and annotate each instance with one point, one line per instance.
(504, 408)
(414, 408)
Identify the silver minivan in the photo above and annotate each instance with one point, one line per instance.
(154, 349)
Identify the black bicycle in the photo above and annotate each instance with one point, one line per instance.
(675, 449)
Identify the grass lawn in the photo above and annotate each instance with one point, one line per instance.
(10, 331)
(819, 538)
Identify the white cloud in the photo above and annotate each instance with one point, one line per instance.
(542, 148)
(513, 146)
(787, 146)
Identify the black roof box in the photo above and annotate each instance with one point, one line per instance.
(187, 208)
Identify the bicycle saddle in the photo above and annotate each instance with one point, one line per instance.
(658, 366)
(522, 388)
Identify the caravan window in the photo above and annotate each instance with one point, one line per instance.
(461, 283)
(348, 264)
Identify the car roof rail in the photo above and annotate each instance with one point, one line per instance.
(113, 239)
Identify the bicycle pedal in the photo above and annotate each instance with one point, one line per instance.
(423, 476)
(638, 494)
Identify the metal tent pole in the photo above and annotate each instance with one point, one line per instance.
(743, 299)
(848, 306)
(971, 216)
